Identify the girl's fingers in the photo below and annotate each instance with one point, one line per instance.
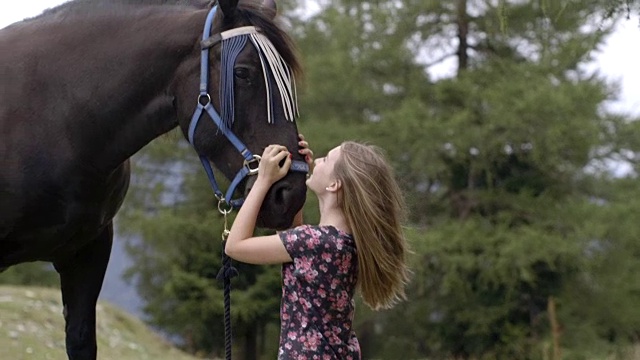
(308, 155)
(273, 150)
(281, 155)
(267, 151)
(274, 160)
(304, 150)
(269, 168)
(285, 167)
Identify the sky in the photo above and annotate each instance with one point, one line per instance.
(618, 60)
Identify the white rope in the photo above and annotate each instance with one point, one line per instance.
(245, 30)
(281, 73)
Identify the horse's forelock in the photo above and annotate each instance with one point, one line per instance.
(256, 15)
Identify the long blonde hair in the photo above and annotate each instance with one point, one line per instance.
(374, 207)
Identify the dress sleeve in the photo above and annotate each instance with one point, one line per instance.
(301, 241)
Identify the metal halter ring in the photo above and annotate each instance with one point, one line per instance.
(221, 208)
(206, 98)
(256, 159)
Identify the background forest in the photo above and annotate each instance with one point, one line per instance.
(525, 235)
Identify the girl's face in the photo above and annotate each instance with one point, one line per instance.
(322, 176)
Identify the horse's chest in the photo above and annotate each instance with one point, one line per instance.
(56, 214)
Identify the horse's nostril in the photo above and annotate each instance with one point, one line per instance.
(277, 195)
(281, 193)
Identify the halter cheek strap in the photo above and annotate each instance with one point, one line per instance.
(251, 161)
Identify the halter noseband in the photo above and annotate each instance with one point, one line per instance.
(251, 161)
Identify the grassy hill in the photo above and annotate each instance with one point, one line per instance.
(32, 327)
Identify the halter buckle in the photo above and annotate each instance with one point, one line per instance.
(247, 163)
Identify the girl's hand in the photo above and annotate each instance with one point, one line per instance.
(270, 170)
(305, 151)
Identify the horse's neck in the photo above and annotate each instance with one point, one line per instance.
(122, 92)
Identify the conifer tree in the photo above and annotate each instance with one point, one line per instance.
(509, 213)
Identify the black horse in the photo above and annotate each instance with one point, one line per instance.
(80, 92)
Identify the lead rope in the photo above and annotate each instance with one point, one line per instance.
(225, 274)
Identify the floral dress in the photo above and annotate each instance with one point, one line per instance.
(317, 295)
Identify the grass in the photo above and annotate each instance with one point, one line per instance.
(32, 327)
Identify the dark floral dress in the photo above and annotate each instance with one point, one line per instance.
(317, 295)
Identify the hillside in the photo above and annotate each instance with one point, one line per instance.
(32, 327)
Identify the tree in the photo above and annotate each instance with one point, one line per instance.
(509, 209)
(497, 163)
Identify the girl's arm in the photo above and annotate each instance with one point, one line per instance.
(241, 244)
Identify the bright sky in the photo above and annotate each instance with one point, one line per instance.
(618, 60)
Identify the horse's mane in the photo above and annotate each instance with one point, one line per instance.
(76, 8)
(251, 11)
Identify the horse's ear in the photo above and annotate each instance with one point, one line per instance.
(271, 6)
(228, 7)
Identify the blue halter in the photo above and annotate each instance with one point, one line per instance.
(251, 161)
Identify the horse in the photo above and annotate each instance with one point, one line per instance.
(81, 92)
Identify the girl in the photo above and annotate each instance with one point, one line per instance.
(358, 243)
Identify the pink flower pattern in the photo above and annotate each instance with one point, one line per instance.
(317, 306)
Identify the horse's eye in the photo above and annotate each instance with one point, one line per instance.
(241, 73)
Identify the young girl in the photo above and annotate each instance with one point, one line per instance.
(358, 243)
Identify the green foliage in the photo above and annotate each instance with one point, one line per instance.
(31, 274)
(621, 7)
(504, 166)
(357, 65)
(481, 290)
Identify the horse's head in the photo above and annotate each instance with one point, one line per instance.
(250, 63)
